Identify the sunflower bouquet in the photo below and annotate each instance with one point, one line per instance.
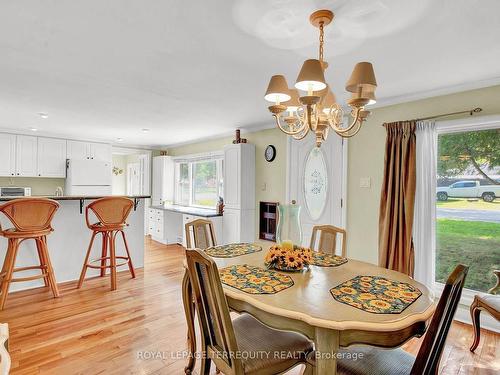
(288, 258)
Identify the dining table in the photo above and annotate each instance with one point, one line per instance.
(308, 307)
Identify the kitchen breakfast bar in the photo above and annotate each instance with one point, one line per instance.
(68, 243)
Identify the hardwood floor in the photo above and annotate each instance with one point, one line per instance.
(140, 328)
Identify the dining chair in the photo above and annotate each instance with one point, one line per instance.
(399, 362)
(238, 346)
(328, 239)
(489, 303)
(200, 233)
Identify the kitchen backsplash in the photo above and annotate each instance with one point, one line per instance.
(39, 186)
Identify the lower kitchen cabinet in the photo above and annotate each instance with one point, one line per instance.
(165, 226)
(216, 220)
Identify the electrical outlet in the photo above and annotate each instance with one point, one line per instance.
(365, 182)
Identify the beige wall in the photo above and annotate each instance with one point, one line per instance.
(39, 186)
(366, 159)
(119, 182)
(272, 175)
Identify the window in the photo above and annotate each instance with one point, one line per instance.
(199, 182)
(468, 213)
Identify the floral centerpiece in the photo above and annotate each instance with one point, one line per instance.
(288, 257)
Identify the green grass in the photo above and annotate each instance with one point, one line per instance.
(463, 204)
(473, 243)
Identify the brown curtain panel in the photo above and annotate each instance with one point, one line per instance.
(397, 200)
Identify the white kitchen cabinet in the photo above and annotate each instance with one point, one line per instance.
(26, 156)
(239, 176)
(238, 226)
(216, 220)
(165, 226)
(239, 193)
(100, 151)
(89, 150)
(51, 157)
(163, 180)
(7, 155)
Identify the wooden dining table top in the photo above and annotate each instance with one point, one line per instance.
(309, 299)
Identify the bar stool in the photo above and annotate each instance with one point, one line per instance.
(112, 213)
(31, 218)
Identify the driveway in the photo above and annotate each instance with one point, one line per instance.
(492, 216)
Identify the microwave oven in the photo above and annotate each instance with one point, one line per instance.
(11, 191)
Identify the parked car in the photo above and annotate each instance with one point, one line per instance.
(469, 189)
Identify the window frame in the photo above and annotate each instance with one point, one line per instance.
(459, 126)
(190, 160)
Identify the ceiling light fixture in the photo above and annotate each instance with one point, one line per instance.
(43, 115)
(145, 130)
(33, 129)
(119, 139)
(317, 110)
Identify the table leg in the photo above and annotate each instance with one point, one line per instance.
(187, 298)
(327, 345)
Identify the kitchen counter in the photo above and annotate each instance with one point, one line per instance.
(72, 197)
(204, 212)
(70, 239)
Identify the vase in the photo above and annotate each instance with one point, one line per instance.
(289, 231)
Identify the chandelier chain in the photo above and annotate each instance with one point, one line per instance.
(321, 40)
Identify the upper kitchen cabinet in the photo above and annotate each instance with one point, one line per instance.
(163, 180)
(239, 176)
(89, 150)
(51, 157)
(26, 156)
(7, 155)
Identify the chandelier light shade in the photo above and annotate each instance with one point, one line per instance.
(311, 106)
(277, 90)
(362, 77)
(311, 76)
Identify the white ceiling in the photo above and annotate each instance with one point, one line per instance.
(189, 70)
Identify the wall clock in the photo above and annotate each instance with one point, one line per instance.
(270, 153)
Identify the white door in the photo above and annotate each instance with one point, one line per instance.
(78, 150)
(51, 157)
(100, 151)
(309, 175)
(133, 179)
(7, 155)
(26, 156)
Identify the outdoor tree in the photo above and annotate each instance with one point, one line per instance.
(461, 151)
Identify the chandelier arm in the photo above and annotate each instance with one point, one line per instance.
(352, 134)
(299, 137)
(288, 132)
(354, 122)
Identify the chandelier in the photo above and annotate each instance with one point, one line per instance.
(317, 109)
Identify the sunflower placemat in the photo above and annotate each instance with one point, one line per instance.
(376, 294)
(254, 280)
(232, 250)
(326, 260)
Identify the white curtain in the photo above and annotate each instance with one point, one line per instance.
(424, 226)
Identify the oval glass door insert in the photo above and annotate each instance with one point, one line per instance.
(315, 183)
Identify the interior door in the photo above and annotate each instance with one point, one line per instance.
(133, 179)
(303, 175)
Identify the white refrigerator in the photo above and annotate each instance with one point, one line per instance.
(88, 177)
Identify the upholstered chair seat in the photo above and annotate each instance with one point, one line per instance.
(253, 337)
(376, 361)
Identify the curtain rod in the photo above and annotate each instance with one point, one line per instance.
(470, 112)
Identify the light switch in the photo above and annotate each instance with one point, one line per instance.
(263, 187)
(365, 182)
